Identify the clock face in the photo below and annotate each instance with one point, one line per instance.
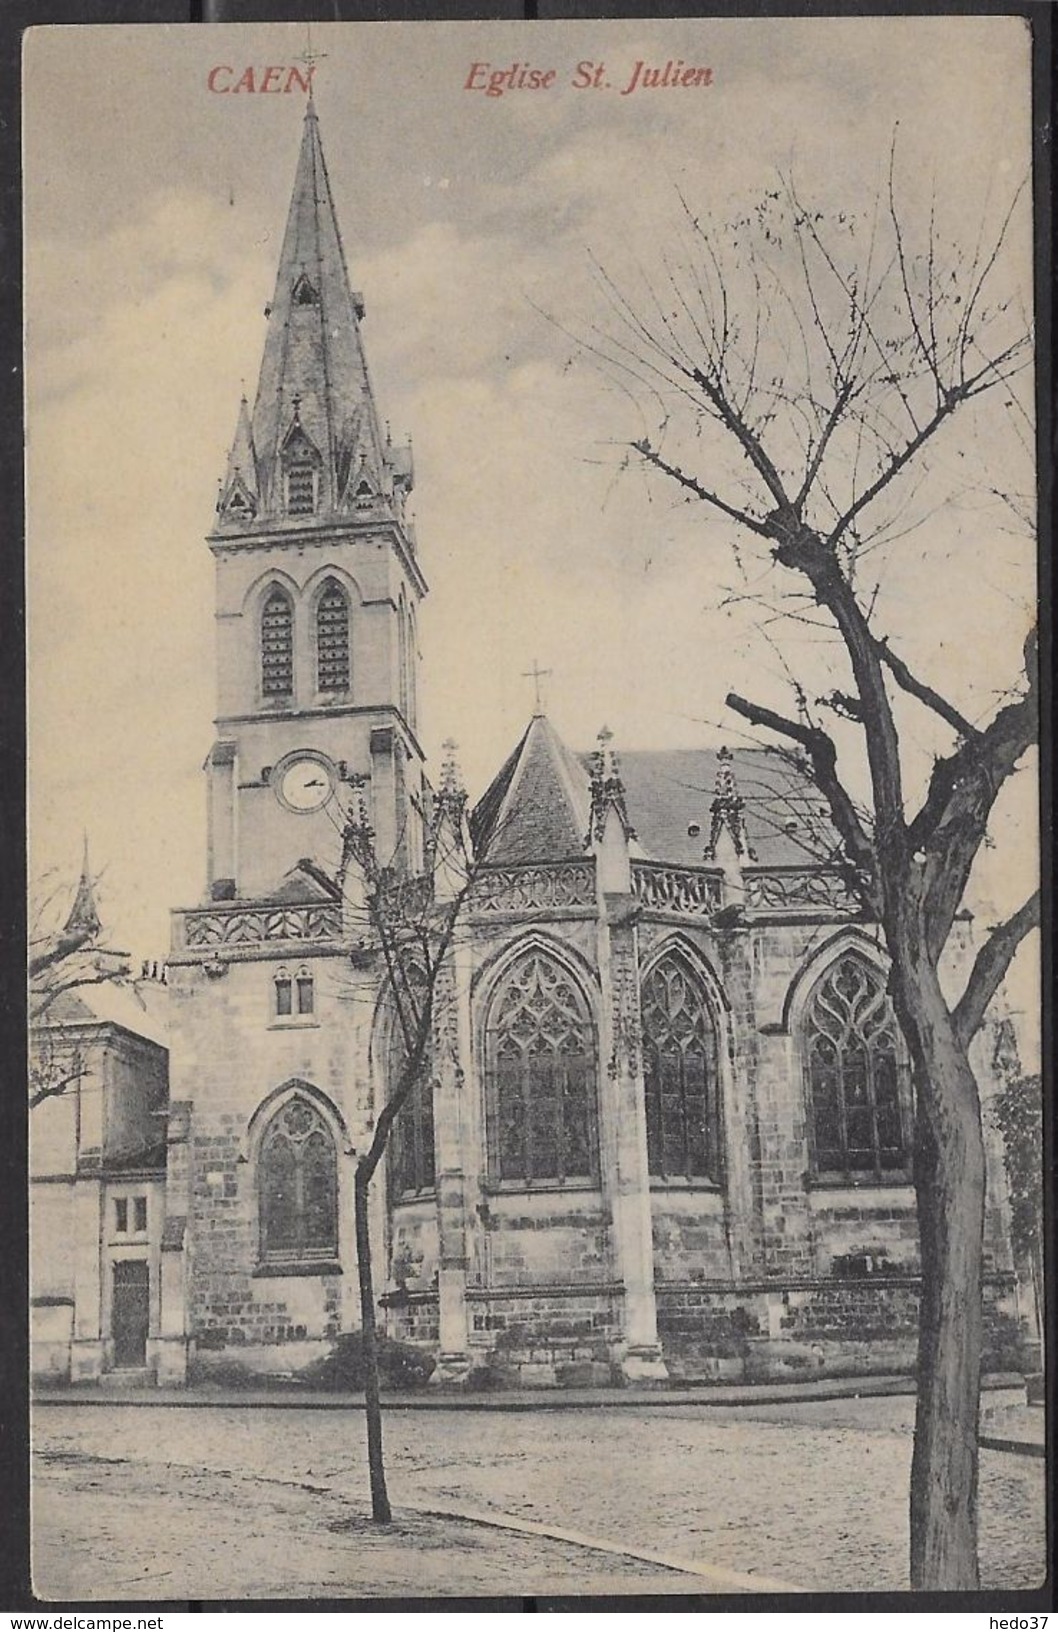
(305, 785)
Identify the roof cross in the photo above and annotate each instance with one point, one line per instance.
(310, 57)
(536, 674)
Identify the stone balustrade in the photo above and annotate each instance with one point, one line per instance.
(695, 892)
(801, 889)
(528, 888)
(237, 925)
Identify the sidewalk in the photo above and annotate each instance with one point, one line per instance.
(232, 1497)
(1018, 1428)
(292, 1397)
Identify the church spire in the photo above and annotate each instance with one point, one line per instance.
(84, 916)
(314, 441)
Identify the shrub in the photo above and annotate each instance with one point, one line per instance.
(487, 1378)
(230, 1374)
(1004, 1343)
(400, 1365)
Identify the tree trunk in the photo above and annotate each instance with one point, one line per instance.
(380, 1508)
(950, 1194)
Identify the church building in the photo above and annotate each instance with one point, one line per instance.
(667, 1126)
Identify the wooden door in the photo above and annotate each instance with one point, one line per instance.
(130, 1312)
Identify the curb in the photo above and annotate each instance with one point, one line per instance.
(722, 1579)
(836, 1388)
(1019, 1447)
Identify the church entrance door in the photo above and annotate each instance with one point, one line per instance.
(130, 1312)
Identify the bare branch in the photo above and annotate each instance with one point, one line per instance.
(692, 485)
(63, 947)
(53, 1087)
(950, 827)
(822, 756)
(990, 966)
(924, 693)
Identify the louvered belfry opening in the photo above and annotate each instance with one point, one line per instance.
(332, 638)
(277, 645)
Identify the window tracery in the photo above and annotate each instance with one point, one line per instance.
(542, 1075)
(680, 1074)
(855, 1075)
(298, 1186)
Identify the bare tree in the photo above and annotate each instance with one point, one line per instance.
(62, 962)
(411, 924)
(806, 374)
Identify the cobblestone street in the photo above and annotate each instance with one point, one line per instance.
(262, 1501)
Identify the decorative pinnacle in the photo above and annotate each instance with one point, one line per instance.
(607, 788)
(359, 781)
(606, 757)
(451, 776)
(727, 810)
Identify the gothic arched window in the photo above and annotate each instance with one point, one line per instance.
(277, 644)
(680, 1074)
(542, 1075)
(332, 638)
(412, 1160)
(297, 1185)
(854, 1075)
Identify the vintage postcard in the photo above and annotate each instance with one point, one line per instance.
(533, 703)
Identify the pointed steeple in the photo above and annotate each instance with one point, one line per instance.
(239, 495)
(84, 917)
(314, 442)
(538, 807)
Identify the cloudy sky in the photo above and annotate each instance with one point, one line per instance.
(153, 221)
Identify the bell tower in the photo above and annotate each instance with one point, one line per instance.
(317, 584)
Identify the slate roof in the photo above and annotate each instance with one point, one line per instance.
(669, 790)
(142, 1008)
(305, 883)
(537, 808)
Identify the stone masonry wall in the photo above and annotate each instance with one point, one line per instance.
(690, 1235)
(545, 1337)
(229, 1054)
(832, 1327)
(536, 1238)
